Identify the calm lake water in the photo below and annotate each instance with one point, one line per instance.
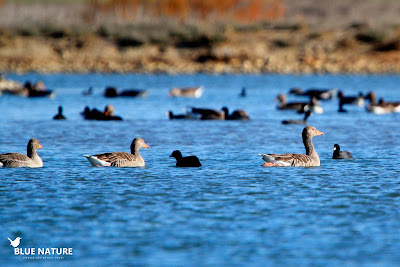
(229, 212)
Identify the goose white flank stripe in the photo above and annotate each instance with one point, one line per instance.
(120, 159)
(310, 159)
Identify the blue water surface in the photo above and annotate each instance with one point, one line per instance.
(231, 211)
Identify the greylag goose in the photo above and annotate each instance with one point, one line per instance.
(310, 159)
(303, 121)
(187, 91)
(113, 92)
(120, 159)
(236, 115)
(206, 114)
(59, 115)
(320, 94)
(31, 159)
(337, 154)
(378, 108)
(284, 105)
(190, 161)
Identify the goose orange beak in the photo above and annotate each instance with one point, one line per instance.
(146, 146)
(40, 146)
(320, 133)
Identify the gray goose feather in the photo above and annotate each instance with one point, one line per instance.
(121, 159)
(309, 159)
(31, 160)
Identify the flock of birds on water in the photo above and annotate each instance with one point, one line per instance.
(134, 159)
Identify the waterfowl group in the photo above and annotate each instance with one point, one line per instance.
(212, 114)
(95, 114)
(381, 107)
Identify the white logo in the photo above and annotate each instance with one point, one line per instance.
(16, 242)
(39, 253)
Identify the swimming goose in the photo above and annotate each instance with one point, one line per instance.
(284, 105)
(190, 161)
(31, 159)
(236, 115)
(337, 154)
(206, 114)
(187, 91)
(59, 115)
(378, 108)
(113, 92)
(310, 159)
(303, 121)
(320, 94)
(120, 159)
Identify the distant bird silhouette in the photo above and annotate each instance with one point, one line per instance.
(187, 91)
(303, 121)
(323, 94)
(236, 115)
(284, 105)
(59, 116)
(337, 154)
(190, 161)
(16, 242)
(113, 92)
(88, 91)
(172, 116)
(243, 93)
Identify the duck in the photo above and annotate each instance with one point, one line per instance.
(195, 92)
(113, 92)
(303, 121)
(30, 160)
(284, 105)
(236, 115)
(337, 154)
(378, 108)
(320, 94)
(189, 161)
(205, 114)
(59, 115)
(310, 159)
(120, 159)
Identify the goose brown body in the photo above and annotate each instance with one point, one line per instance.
(121, 159)
(31, 159)
(310, 159)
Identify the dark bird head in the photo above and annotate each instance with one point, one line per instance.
(176, 154)
(336, 147)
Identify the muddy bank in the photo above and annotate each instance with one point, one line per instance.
(287, 46)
